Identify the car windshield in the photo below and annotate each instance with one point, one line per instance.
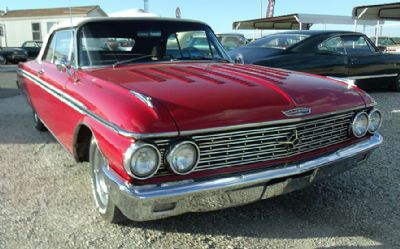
(120, 42)
(281, 41)
(382, 41)
(230, 42)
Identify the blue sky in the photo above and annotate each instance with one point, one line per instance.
(218, 13)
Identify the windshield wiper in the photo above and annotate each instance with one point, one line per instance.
(132, 60)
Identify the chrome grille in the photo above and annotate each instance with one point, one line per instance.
(240, 147)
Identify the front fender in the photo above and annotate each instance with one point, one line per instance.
(112, 145)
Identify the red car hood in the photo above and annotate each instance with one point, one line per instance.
(207, 95)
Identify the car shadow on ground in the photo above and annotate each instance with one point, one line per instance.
(8, 92)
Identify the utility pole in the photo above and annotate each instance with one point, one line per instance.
(261, 11)
(146, 5)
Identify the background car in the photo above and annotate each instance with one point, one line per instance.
(12, 55)
(232, 41)
(32, 47)
(342, 54)
(387, 44)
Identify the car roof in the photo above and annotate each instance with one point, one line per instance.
(77, 22)
(319, 32)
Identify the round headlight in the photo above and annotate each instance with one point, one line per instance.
(360, 124)
(183, 157)
(142, 160)
(375, 120)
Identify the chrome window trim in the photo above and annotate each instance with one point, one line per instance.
(364, 77)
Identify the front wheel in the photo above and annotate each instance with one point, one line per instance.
(38, 123)
(104, 204)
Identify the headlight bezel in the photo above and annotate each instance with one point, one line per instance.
(374, 110)
(356, 117)
(131, 152)
(174, 149)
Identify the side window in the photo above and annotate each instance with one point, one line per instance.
(63, 46)
(334, 45)
(356, 44)
(28, 45)
(48, 55)
(60, 47)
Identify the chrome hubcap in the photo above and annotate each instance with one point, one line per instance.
(99, 184)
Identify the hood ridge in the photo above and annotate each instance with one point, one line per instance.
(195, 74)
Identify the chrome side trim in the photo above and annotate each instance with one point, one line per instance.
(81, 108)
(363, 77)
(139, 202)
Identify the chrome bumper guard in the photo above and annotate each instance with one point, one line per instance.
(150, 202)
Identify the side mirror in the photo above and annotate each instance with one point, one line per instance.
(239, 59)
(63, 65)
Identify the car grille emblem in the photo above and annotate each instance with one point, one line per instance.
(294, 139)
(296, 112)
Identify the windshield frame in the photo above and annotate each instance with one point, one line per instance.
(164, 27)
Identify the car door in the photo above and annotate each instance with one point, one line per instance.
(328, 58)
(55, 110)
(365, 61)
(323, 63)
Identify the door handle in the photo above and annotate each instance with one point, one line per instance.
(40, 72)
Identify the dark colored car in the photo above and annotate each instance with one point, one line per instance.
(13, 55)
(32, 47)
(339, 54)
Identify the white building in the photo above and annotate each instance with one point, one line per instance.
(18, 26)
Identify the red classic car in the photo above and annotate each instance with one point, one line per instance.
(171, 126)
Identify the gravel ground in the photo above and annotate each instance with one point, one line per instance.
(46, 202)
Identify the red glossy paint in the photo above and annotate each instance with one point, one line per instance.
(186, 96)
(204, 95)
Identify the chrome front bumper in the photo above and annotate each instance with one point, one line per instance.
(150, 202)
